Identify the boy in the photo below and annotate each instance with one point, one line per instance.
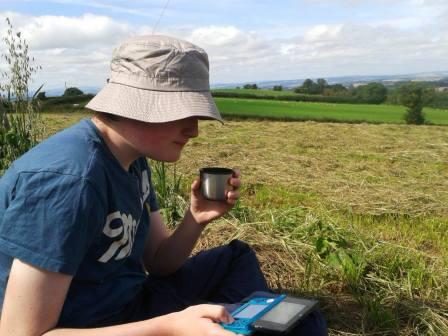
(79, 222)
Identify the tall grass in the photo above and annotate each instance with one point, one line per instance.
(20, 123)
(168, 188)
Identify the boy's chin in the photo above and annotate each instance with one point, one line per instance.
(168, 159)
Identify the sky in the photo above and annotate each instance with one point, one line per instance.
(246, 40)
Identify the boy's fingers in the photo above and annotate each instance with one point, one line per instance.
(235, 182)
(233, 195)
(215, 313)
(196, 184)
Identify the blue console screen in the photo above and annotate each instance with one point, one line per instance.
(250, 311)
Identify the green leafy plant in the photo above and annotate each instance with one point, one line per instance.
(337, 252)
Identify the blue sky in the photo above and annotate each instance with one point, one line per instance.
(246, 40)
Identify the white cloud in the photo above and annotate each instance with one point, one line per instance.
(322, 33)
(77, 49)
(46, 32)
(70, 49)
(217, 36)
(229, 46)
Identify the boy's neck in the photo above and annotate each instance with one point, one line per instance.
(115, 141)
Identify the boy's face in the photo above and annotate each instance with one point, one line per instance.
(160, 141)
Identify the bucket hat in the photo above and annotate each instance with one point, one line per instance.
(157, 79)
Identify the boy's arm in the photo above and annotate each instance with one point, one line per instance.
(34, 298)
(165, 252)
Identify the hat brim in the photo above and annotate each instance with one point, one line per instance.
(154, 106)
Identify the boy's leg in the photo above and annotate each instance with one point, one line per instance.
(223, 274)
(314, 324)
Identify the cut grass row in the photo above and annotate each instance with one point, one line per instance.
(352, 113)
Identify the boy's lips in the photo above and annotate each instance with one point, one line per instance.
(181, 143)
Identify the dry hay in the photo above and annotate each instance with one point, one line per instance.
(281, 259)
(369, 169)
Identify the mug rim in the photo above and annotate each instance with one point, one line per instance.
(216, 170)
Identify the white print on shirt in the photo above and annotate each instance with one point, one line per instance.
(128, 227)
(145, 186)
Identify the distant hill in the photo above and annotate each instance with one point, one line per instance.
(57, 92)
(293, 83)
(345, 80)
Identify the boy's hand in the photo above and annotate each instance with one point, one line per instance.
(200, 321)
(203, 210)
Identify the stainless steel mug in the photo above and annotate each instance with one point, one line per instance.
(215, 183)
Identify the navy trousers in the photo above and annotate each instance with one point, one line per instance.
(228, 275)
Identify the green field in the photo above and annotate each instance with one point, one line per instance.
(353, 214)
(284, 110)
(257, 92)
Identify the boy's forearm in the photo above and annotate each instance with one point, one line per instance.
(156, 326)
(175, 250)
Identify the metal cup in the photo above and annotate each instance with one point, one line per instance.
(215, 183)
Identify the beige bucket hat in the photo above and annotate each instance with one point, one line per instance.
(157, 79)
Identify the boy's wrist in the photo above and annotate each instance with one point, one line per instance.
(194, 220)
(164, 325)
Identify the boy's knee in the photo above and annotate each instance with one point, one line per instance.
(240, 247)
(314, 324)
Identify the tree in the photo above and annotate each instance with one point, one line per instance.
(372, 93)
(415, 96)
(72, 91)
(322, 84)
(20, 124)
(250, 86)
(336, 90)
(278, 88)
(309, 87)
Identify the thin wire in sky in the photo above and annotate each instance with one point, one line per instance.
(161, 14)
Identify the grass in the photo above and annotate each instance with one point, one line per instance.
(258, 92)
(352, 214)
(355, 113)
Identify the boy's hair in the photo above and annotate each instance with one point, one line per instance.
(109, 116)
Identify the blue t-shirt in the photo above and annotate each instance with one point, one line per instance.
(68, 206)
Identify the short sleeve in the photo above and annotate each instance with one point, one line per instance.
(51, 220)
(152, 199)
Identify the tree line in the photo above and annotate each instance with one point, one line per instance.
(413, 95)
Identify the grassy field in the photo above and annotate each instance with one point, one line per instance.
(283, 110)
(352, 214)
(258, 92)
